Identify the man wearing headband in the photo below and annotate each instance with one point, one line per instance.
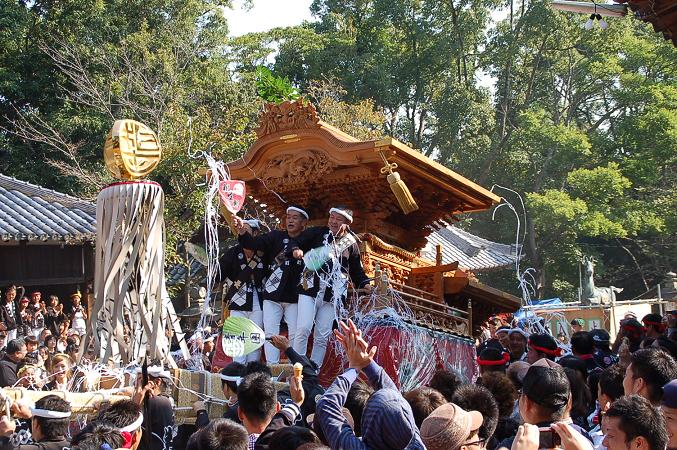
(280, 290)
(243, 271)
(158, 418)
(49, 423)
(126, 416)
(518, 344)
(319, 290)
(542, 345)
(654, 327)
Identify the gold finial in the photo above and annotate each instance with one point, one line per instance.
(132, 150)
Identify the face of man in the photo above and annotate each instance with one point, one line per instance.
(670, 415)
(517, 343)
(19, 355)
(533, 356)
(576, 328)
(614, 436)
(36, 298)
(10, 295)
(296, 222)
(503, 338)
(335, 221)
(630, 382)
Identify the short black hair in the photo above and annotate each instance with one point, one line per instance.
(666, 344)
(223, 434)
(446, 382)
(257, 397)
(356, 400)
(582, 343)
(291, 438)
(548, 388)
(503, 390)
(574, 362)
(424, 401)
(234, 369)
(53, 428)
(30, 340)
(473, 397)
(656, 367)
(95, 434)
(312, 446)
(257, 367)
(120, 414)
(611, 381)
(193, 442)
(15, 345)
(639, 418)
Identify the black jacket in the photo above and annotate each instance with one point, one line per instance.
(8, 369)
(284, 273)
(244, 277)
(351, 264)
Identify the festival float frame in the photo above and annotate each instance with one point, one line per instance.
(396, 194)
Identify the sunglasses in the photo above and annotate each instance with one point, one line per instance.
(478, 443)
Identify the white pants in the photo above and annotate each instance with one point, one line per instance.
(256, 316)
(314, 310)
(272, 315)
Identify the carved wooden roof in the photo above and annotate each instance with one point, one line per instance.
(308, 162)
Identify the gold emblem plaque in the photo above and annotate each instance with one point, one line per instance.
(132, 150)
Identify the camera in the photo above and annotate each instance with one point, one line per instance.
(548, 438)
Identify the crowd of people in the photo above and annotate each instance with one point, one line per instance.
(529, 395)
(533, 391)
(37, 336)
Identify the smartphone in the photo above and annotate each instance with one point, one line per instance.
(548, 438)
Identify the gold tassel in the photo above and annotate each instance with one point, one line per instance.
(401, 191)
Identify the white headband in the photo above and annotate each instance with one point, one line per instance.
(156, 372)
(342, 213)
(298, 210)
(520, 331)
(236, 379)
(133, 426)
(37, 412)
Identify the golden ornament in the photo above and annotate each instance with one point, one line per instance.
(132, 150)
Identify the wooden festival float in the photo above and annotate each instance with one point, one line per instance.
(305, 161)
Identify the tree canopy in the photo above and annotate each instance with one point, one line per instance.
(581, 123)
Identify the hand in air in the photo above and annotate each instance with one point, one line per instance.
(297, 253)
(239, 224)
(280, 342)
(571, 440)
(527, 438)
(357, 350)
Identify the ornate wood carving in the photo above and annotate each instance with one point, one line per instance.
(287, 116)
(296, 167)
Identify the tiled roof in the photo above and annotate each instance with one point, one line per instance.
(176, 274)
(471, 252)
(31, 212)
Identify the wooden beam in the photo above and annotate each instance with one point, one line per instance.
(45, 281)
(434, 269)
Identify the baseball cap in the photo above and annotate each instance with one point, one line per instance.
(600, 336)
(670, 395)
(448, 427)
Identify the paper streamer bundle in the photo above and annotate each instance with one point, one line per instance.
(131, 308)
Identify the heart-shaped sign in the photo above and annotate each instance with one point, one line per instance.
(232, 194)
